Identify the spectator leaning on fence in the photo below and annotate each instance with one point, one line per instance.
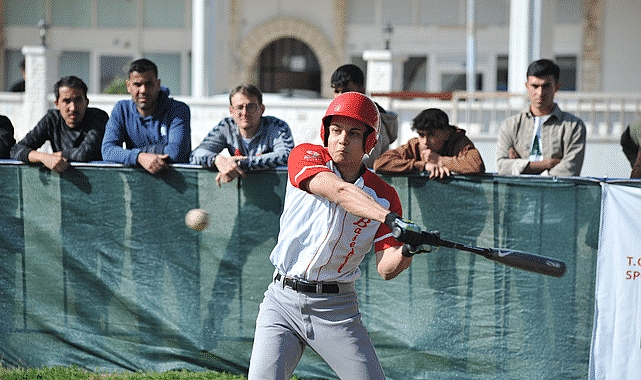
(630, 142)
(6, 136)
(154, 127)
(543, 139)
(439, 149)
(73, 129)
(253, 141)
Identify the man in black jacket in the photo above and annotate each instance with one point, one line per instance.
(74, 130)
(6, 136)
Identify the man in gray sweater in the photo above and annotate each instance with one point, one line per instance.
(253, 141)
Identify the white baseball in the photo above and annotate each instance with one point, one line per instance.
(197, 219)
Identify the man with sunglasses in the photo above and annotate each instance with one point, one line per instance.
(254, 141)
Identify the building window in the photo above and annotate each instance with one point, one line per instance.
(289, 66)
(569, 11)
(415, 74)
(440, 13)
(360, 62)
(492, 12)
(361, 12)
(168, 70)
(117, 13)
(13, 74)
(457, 82)
(501, 73)
(397, 12)
(24, 12)
(113, 70)
(567, 64)
(164, 14)
(75, 63)
(62, 14)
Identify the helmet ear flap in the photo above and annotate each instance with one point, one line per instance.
(324, 132)
(370, 140)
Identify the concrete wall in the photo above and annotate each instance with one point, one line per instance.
(621, 46)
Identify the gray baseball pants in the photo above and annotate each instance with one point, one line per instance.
(289, 321)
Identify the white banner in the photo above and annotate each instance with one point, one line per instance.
(616, 337)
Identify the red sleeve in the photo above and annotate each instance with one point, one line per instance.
(305, 161)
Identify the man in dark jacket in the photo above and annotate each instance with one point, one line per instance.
(73, 129)
(6, 136)
(630, 140)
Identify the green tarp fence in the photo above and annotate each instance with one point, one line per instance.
(98, 270)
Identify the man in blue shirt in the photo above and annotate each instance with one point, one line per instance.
(156, 132)
(254, 141)
(154, 127)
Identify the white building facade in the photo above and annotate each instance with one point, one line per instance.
(290, 48)
(206, 47)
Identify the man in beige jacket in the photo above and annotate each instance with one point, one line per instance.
(543, 139)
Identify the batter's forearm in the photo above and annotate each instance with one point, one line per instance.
(357, 202)
(347, 195)
(390, 262)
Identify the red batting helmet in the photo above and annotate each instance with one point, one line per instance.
(356, 106)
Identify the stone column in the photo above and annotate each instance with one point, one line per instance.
(519, 45)
(36, 87)
(384, 73)
(198, 76)
(238, 73)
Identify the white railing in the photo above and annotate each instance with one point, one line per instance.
(480, 114)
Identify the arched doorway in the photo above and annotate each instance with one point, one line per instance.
(290, 67)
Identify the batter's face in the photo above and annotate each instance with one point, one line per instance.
(541, 92)
(144, 89)
(72, 104)
(345, 140)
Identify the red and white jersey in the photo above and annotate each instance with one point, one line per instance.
(318, 239)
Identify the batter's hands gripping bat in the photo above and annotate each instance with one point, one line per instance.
(517, 259)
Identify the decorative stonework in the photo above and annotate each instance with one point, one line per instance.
(591, 80)
(266, 33)
(2, 47)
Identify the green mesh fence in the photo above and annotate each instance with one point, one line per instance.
(98, 270)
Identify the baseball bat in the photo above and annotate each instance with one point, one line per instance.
(513, 258)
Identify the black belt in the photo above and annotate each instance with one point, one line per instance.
(306, 286)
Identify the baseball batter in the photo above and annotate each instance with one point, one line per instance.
(335, 210)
